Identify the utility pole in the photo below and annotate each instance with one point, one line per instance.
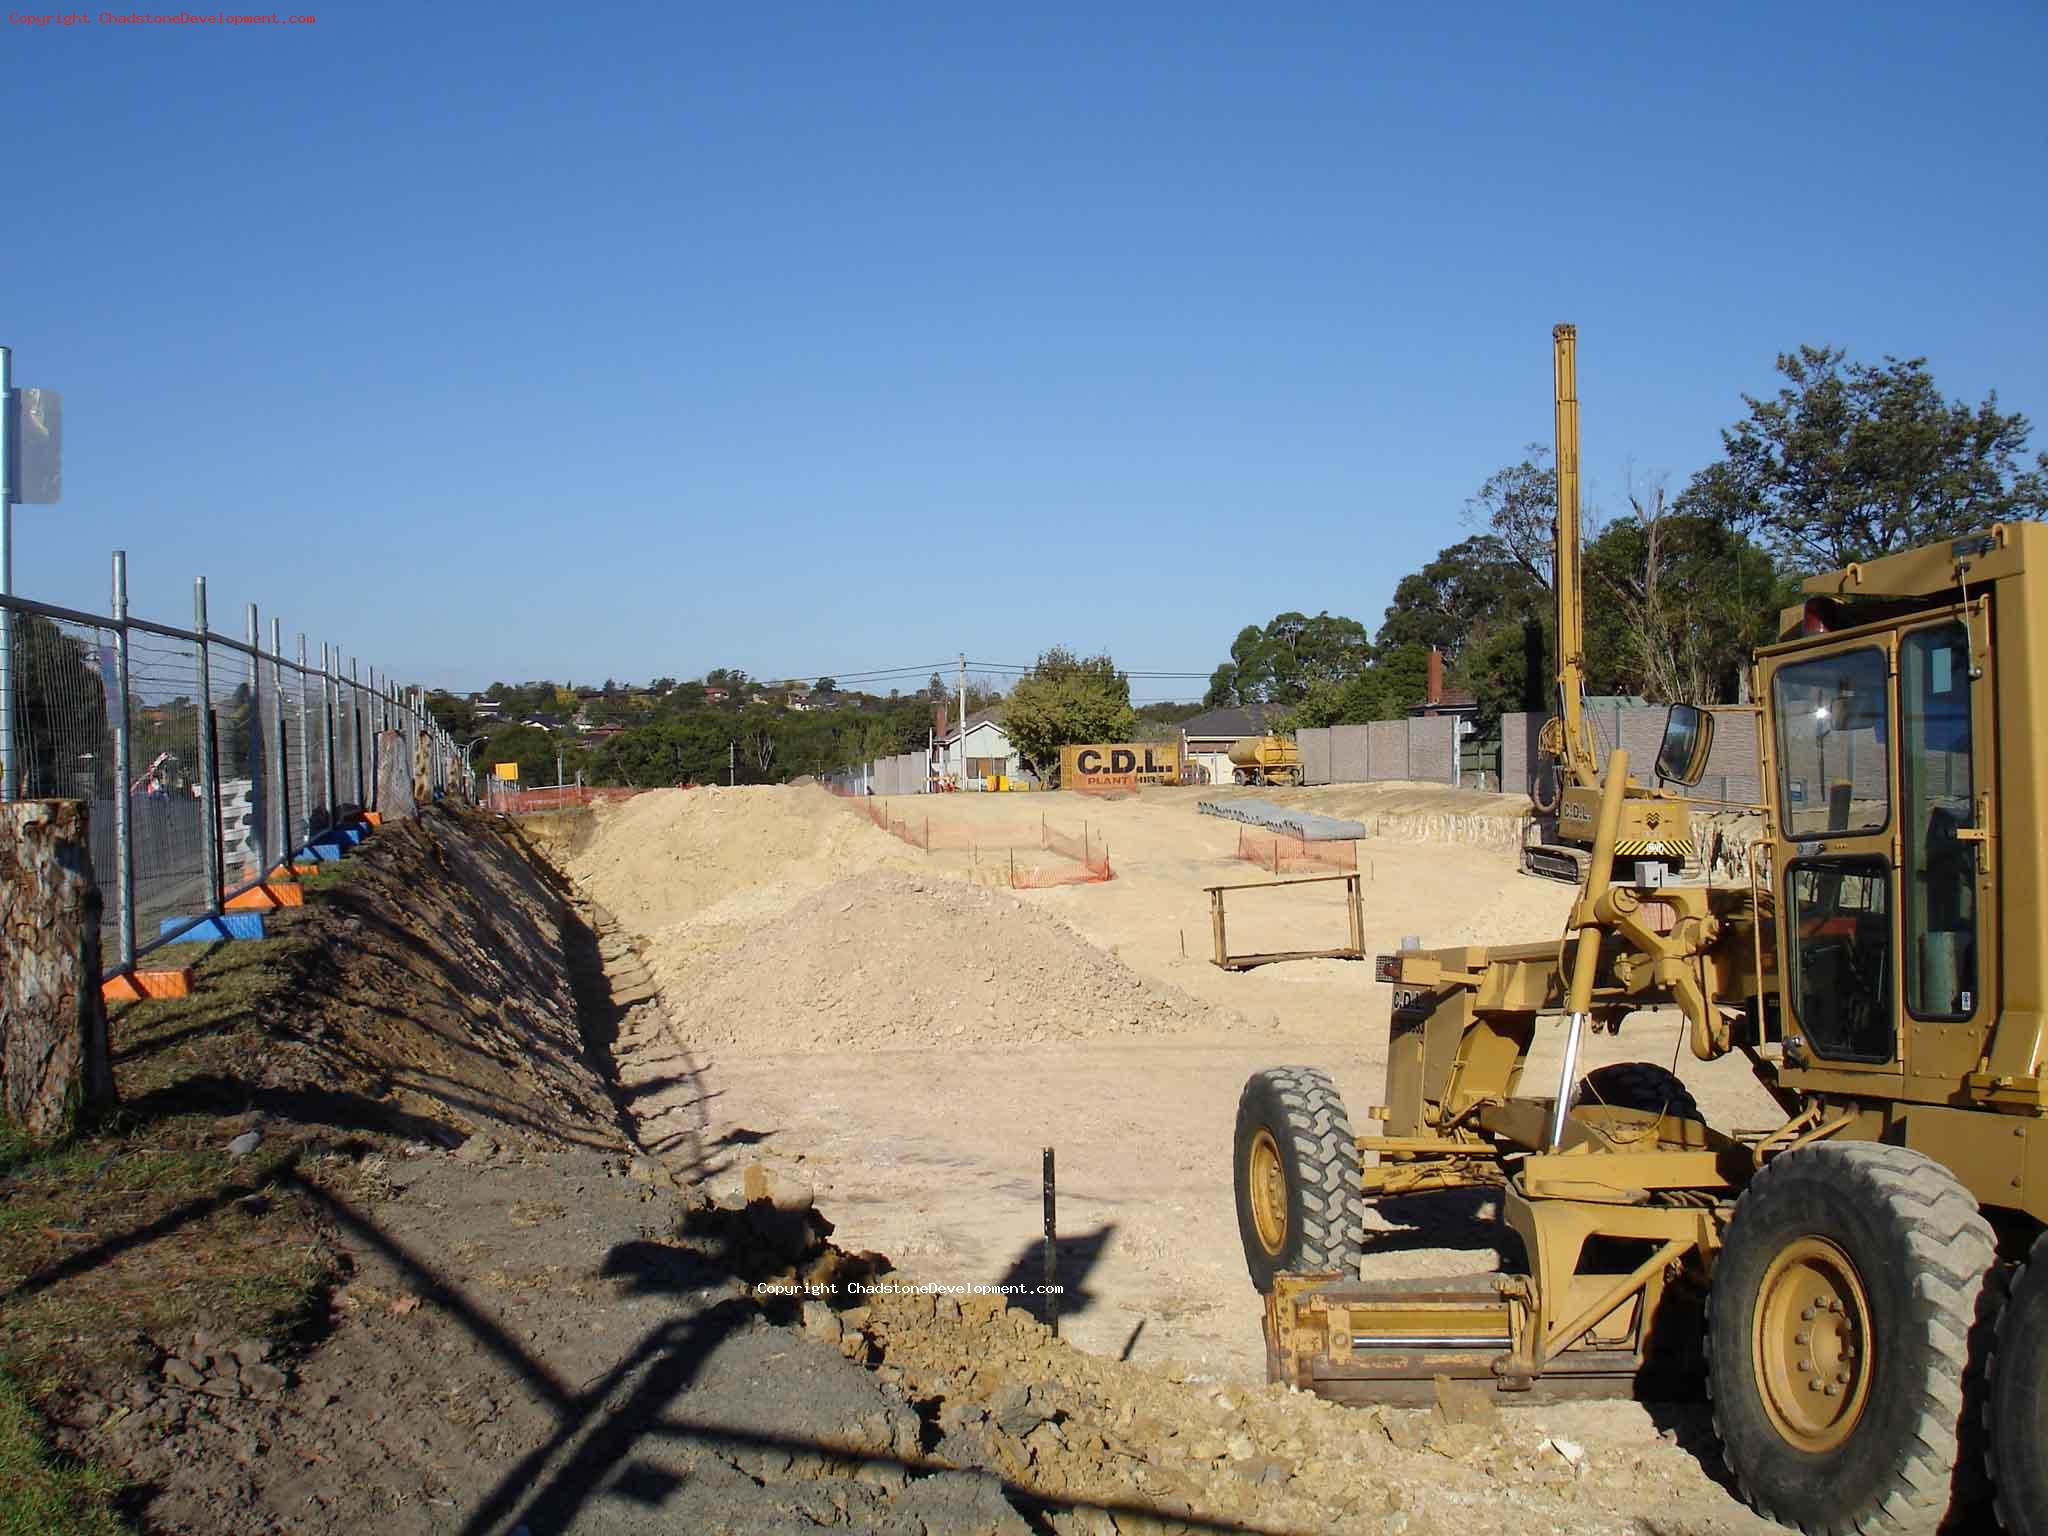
(732, 764)
(963, 721)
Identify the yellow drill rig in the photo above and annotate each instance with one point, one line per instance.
(1655, 824)
(1867, 1280)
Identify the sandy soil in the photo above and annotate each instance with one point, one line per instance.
(930, 1150)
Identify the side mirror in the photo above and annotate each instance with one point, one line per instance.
(1688, 738)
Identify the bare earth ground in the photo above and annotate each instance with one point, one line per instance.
(815, 1011)
(473, 1277)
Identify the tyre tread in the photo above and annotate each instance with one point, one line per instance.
(2011, 1516)
(1333, 1230)
(1952, 1245)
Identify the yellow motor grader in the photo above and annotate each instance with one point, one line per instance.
(1867, 1280)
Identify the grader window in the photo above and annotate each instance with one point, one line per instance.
(1832, 718)
(1940, 894)
(1842, 957)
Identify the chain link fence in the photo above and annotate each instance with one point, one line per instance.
(208, 761)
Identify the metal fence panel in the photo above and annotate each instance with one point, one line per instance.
(167, 820)
(63, 731)
(204, 760)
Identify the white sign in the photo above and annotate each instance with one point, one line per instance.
(38, 440)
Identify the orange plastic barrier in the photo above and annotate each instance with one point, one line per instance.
(1002, 856)
(1283, 851)
(520, 802)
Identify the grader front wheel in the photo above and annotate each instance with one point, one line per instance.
(1299, 1209)
(1839, 1332)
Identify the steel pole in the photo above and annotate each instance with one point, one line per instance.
(355, 715)
(124, 820)
(259, 753)
(327, 692)
(287, 845)
(305, 748)
(10, 775)
(209, 778)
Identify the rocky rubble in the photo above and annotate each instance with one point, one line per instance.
(976, 1388)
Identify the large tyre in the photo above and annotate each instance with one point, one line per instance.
(1639, 1085)
(1839, 1327)
(1299, 1209)
(2016, 1413)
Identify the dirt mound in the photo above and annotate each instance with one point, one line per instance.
(892, 961)
(663, 858)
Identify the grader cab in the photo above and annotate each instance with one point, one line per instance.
(1864, 1284)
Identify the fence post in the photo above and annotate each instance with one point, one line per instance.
(305, 747)
(355, 715)
(287, 835)
(209, 761)
(124, 819)
(327, 702)
(259, 754)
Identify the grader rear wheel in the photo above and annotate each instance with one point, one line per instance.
(1639, 1085)
(1839, 1331)
(2016, 1414)
(1299, 1208)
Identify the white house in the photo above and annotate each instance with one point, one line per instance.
(985, 753)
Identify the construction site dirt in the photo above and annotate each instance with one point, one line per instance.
(679, 1194)
(863, 1015)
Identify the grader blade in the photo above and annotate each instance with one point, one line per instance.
(1366, 1342)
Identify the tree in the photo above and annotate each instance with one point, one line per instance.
(1677, 601)
(1851, 461)
(1507, 667)
(826, 686)
(1465, 590)
(1518, 506)
(1064, 700)
(1397, 679)
(528, 746)
(455, 715)
(1286, 660)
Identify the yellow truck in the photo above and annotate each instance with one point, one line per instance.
(1265, 760)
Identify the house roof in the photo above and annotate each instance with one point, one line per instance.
(1234, 722)
(992, 717)
(1455, 701)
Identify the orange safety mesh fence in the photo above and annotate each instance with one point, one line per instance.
(1012, 856)
(519, 802)
(1284, 851)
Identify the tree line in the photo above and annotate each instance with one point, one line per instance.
(1846, 462)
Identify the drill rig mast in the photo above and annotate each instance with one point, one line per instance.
(1656, 826)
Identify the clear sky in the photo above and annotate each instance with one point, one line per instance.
(517, 341)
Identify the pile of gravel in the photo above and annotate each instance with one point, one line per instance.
(893, 961)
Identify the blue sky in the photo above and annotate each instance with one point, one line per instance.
(516, 341)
